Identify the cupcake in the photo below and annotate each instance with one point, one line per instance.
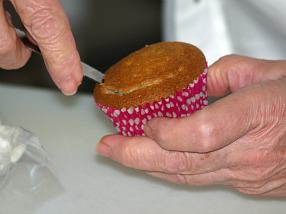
(166, 79)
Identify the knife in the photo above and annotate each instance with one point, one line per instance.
(88, 71)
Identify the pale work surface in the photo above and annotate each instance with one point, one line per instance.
(69, 128)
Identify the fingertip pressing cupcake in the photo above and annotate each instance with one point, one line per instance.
(166, 79)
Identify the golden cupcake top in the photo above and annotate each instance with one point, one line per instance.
(150, 74)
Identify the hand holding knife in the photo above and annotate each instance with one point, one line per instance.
(88, 71)
(49, 27)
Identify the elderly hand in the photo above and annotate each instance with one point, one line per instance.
(48, 26)
(238, 141)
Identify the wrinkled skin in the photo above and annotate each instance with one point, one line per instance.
(238, 141)
(48, 26)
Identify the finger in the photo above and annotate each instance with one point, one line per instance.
(212, 128)
(211, 178)
(144, 154)
(48, 25)
(13, 53)
(232, 72)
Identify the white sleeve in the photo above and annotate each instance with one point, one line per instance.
(254, 28)
(199, 22)
(257, 27)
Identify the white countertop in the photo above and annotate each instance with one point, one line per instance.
(69, 128)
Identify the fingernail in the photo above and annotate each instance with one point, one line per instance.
(69, 93)
(103, 149)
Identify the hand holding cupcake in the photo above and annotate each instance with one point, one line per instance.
(239, 141)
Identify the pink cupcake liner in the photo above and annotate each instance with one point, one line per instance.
(131, 121)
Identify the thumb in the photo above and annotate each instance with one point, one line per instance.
(215, 126)
(233, 72)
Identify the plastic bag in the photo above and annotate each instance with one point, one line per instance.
(26, 178)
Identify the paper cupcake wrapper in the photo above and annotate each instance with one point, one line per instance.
(131, 121)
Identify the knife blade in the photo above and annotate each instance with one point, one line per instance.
(88, 70)
(92, 73)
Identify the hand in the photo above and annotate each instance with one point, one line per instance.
(48, 26)
(238, 141)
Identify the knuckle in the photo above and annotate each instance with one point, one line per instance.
(263, 173)
(230, 60)
(248, 191)
(175, 162)
(45, 24)
(207, 136)
(61, 63)
(255, 189)
(229, 57)
(133, 156)
(181, 179)
(262, 188)
(127, 156)
(262, 165)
